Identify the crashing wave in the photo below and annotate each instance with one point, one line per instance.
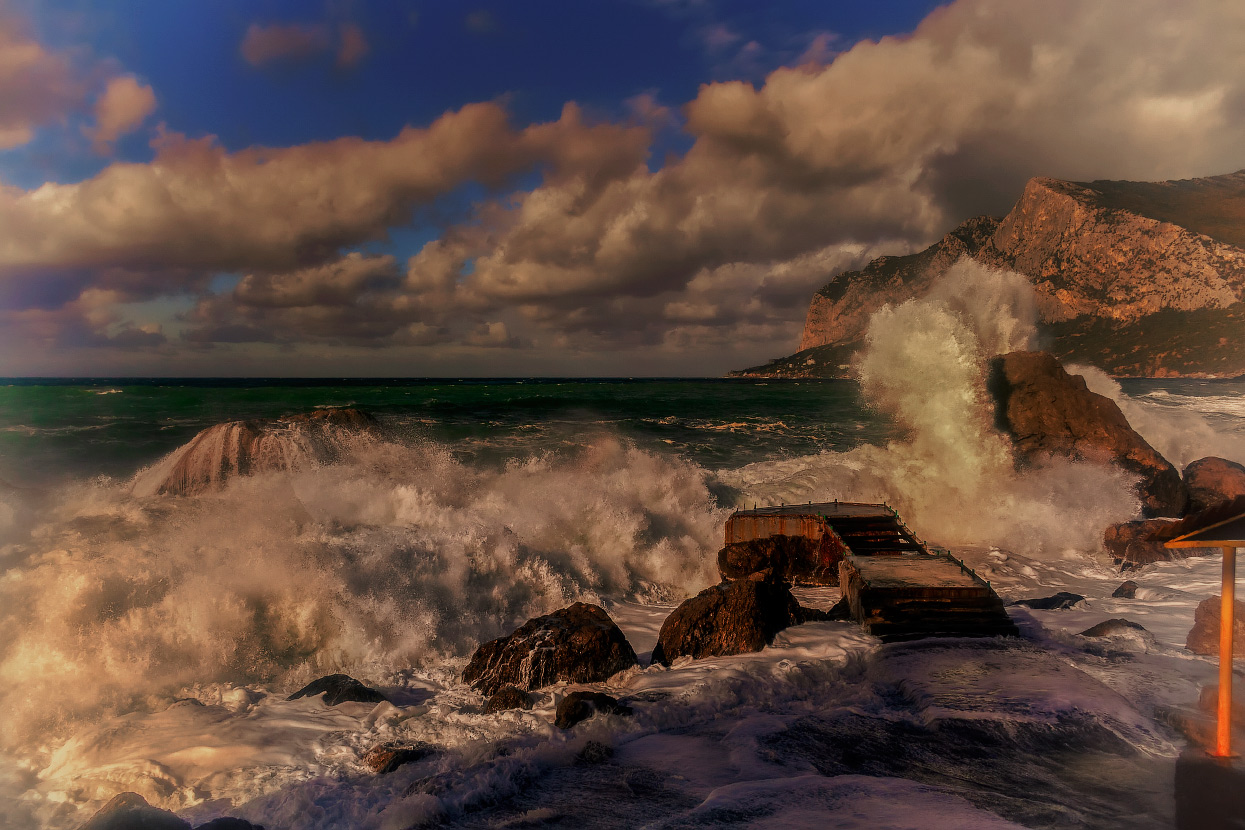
(242, 448)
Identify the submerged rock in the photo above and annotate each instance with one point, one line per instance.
(130, 811)
(1127, 590)
(241, 448)
(1113, 628)
(783, 558)
(1048, 412)
(579, 644)
(508, 697)
(1056, 602)
(580, 705)
(339, 688)
(1213, 480)
(728, 618)
(1140, 543)
(386, 757)
(594, 752)
(1204, 636)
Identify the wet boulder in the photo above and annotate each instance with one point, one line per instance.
(1132, 544)
(386, 757)
(1213, 480)
(1116, 627)
(1127, 590)
(1055, 602)
(580, 705)
(339, 688)
(578, 644)
(130, 811)
(1204, 636)
(728, 618)
(783, 558)
(242, 448)
(1048, 412)
(508, 697)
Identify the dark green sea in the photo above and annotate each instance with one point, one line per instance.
(52, 429)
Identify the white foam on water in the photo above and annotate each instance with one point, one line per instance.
(952, 477)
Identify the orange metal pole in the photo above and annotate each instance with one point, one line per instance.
(1223, 743)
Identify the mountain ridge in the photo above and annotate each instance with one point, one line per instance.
(1105, 259)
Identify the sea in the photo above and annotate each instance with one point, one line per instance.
(150, 641)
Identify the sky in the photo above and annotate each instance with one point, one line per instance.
(546, 187)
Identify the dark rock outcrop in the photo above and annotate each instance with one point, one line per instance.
(728, 618)
(1204, 636)
(339, 688)
(229, 823)
(1141, 542)
(1056, 602)
(130, 811)
(580, 705)
(1127, 590)
(386, 757)
(579, 644)
(782, 558)
(1113, 628)
(508, 697)
(241, 448)
(1048, 412)
(1213, 480)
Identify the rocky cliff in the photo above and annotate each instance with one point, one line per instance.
(1138, 278)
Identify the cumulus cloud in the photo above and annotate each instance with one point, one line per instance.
(880, 147)
(122, 108)
(37, 87)
(352, 46)
(264, 44)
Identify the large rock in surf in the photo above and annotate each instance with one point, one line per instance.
(241, 448)
(130, 811)
(1048, 412)
(1213, 480)
(729, 618)
(1204, 636)
(1132, 544)
(339, 688)
(784, 558)
(579, 644)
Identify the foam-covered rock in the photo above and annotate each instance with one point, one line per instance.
(1127, 590)
(1115, 627)
(388, 756)
(579, 644)
(130, 811)
(580, 705)
(1204, 636)
(729, 618)
(241, 448)
(1213, 480)
(506, 698)
(339, 688)
(1048, 412)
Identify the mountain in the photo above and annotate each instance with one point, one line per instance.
(1137, 278)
